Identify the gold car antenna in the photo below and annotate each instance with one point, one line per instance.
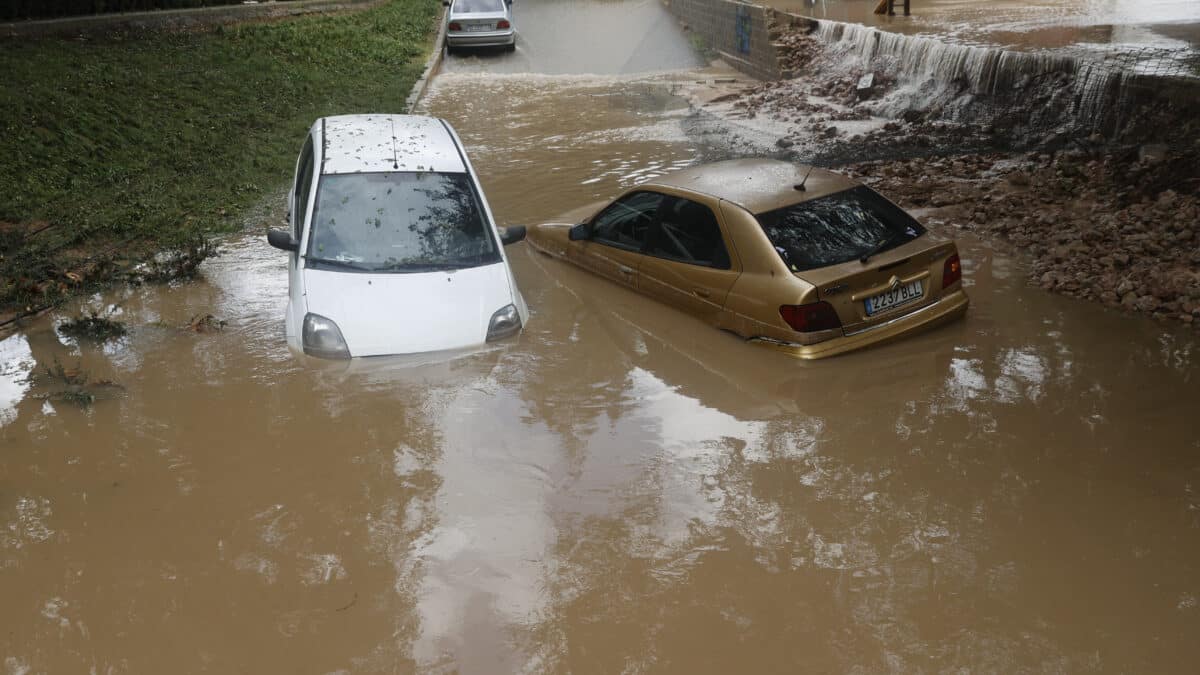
(801, 187)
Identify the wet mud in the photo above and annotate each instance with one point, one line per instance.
(619, 489)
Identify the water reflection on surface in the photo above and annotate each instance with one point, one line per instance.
(620, 489)
(883, 508)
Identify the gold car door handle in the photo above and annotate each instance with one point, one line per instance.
(625, 270)
(701, 292)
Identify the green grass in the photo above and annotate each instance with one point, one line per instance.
(138, 144)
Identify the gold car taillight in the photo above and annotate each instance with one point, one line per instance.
(951, 271)
(812, 317)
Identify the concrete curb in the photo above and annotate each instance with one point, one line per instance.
(176, 19)
(431, 65)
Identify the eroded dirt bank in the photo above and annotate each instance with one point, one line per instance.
(1093, 179)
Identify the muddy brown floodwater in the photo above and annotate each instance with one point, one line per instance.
(620, 489)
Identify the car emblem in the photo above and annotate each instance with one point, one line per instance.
(894, 282)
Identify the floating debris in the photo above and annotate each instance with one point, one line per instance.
(93, 326)
(71, 376)
(206, 323)
(73, 385)
(180, 263)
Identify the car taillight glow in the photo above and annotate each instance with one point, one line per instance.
(502, 24)
(454, 25)
(812, 317)
(952, 271)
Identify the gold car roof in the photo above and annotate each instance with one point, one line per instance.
(757, 185)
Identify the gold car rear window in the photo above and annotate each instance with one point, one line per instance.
(837, 228)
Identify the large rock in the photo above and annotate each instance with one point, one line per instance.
(865, 85)
(1153, 152)
(1147, 303)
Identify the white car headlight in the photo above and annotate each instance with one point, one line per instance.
(505, 322)
(322, 337)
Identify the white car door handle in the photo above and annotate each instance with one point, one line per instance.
(625, 270)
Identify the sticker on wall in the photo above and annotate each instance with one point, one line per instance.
(742, 29)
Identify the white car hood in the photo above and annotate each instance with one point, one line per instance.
(383, 314)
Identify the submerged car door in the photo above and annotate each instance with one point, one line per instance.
(298, 210)
(618, 236)
(687, 262)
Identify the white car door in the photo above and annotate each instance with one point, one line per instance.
(298, 208)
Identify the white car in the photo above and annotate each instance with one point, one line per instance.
(393, 246)
(479, 23)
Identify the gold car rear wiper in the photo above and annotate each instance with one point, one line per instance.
(882, 244)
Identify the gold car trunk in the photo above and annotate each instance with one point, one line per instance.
(893, 283)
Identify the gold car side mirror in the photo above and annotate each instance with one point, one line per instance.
(580, 232)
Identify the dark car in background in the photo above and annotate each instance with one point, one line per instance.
(479, 23)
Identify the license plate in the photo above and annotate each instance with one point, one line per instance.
(478, 27)
(895, 297)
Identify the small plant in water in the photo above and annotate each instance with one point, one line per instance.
(80, 397)
(93, 326)
(74, 376)
(74, 385)
(181, 263)
(206, 323)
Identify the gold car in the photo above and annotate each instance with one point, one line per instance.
(804, 260)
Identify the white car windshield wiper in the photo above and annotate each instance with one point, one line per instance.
(340, 263)
(420, 267)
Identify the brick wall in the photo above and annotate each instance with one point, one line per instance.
(737, 31)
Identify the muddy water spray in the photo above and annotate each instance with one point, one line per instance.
(930, 69)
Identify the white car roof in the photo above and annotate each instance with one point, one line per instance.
(364, 143)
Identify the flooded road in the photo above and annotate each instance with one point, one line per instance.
(573, 37)
(620, 489)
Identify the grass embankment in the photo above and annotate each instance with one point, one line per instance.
(115, 149)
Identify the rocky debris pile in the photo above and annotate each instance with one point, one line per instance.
(911, 135)
(1116, 229)
(822, 93)
(854, 87)
(797, 49)
(1105, 218)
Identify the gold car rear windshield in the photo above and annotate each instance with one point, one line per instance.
(837, 228)
(402, 221)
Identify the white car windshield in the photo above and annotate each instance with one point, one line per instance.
(478, 6)
(399, 222)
